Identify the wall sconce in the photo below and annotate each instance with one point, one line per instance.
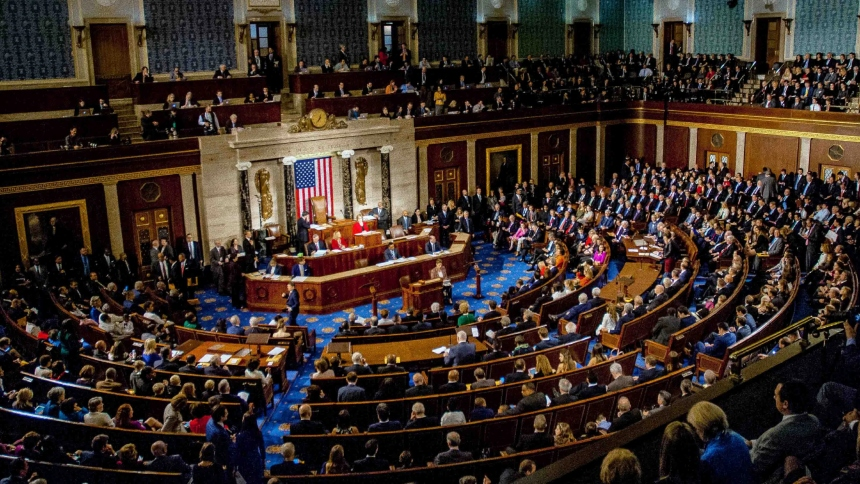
(747, 25)
(374, 28)
(787, 22)
(141, 34)
(514, 29)
(482, 29)
(569, 31)
(597, 30)
(242, 29)
(79, 39)
(689, 26)
(414, 30)
(656, 28)
(291, 29)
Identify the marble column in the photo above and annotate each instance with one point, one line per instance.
(290, 196)
(571, 157)
(740, 152)
(189, 211)
(114, 221)
(423, 176)
(535, 164)
(694, 142)
(244, 194)
(385, 169)
(346, 177)
(803, 158)
(471, 165)
(661, 133)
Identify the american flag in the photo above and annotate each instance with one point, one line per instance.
(313, 179)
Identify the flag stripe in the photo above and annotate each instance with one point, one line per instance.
(314, 179)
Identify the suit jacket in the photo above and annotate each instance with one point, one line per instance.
(625, 420)
(312, 247)
(370, 464)
(537, 440)
(430, 248)
(664, 328)
(516, 376)
(390, 426)
(658, 300)
(168, 463)
(649, 374)
(535, 401)
(351, 393)
(591, 391)
(622, 381)
(460, 354)
(452, 387)
(452, 456)
(797, 435)
(391, 254)
(307, 427)
(296, 272)
(419, 391)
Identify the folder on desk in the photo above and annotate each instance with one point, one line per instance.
(440, 350)
(276, 351)
(319, 253)
(299, 278)
(475, 332)
(242, 353)
(225, 358)
(234, 361)
(207, 358)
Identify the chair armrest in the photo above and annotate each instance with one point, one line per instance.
(652, 348)
(610, 340)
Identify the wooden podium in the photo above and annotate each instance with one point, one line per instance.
(421, 294)
(369, 239)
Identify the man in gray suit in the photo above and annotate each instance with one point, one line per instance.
(405, 221)
(461, 353)
(768, 184)
(797, 434)
(619, 379)
(383, 217)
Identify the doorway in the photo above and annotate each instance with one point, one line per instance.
(672, 31)
(582, 38)
(717, 158)
(393, 34)
(446, 184)
(767, 42)
(111, 60)
(551, 166)
(263, 36)
(497, 39)
(150, 225)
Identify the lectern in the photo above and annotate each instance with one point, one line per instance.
(422, 294)
(369, 239)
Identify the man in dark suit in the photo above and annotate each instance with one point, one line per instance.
(492, 313)
(454, 384)
(359, 365)
(519, 373)
(306, 426)
(383, 217)
(651, 371)
(467, 226)
(545, 341)
(453, 455)
(405, 221)
(573, 313)
(166, 463)
(274, 269)
(341, 91)
(626, 417)
(316, 245)
(370, 463)
(193, 252)
(721, 342)
(564, 396)
(593, 389)
(532, 400)
(316, 93)
(292, 302)
(222, 73)
(540, 439)
(659, 297)
(351, 392)
(666, 326)
(446, 224)
(190, 366)
(101, 455)
(303, 225)
(391, 253)
(462, 353)
(570, 334)
(432, 246)
(384, 424)
(419, 388)
(390, 366)
(180, 272)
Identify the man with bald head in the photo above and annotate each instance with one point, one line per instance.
(626, 415)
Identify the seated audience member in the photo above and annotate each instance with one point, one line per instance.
(539, 439)
(480, 411)
(209, 121)
(726, 457)
(384, 423)
(419, 388)
(418, 420)
(453, 455)
(626, 415)
(101, 455)
(142, 76)
(462, 353)
(620, 466)
(305, 426)
(189, 101)
(351, 392)
(234, 126)
(290, 466)
(370, 463)
(532, 400)
(222, 73)
(619, 379)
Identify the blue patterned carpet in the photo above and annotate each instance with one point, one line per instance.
(503, 270)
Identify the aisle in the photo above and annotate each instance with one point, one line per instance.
(503, 270)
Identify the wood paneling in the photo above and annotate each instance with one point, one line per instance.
(110, 50)
(131, 200)
(556, 146)
(705, 142)
(818, 155)
(634, 140)
(676, 146)
(774, 152)
(481, 146)
(435, 162)
(586, 153)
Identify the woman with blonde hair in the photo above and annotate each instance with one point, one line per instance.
(726, 457)
(598, 355)
(322, 369)
(563, 434)
(24, 400)
(542, 367)
(620, 466)
(337, 242)
(336, 463)
(565, 361)
(465, 316)
(281, 329)
(150, 353)
(610, 319)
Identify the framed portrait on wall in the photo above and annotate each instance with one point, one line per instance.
(835, 170)
(52, 229)
(504, 167)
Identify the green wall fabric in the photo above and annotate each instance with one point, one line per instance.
(542, 27)
(35, 40)
(448, 27)
(612, 25)
(719, 29)
(323, 25)
(825, 26)
(638, 17)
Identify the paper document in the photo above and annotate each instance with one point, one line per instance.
(242, 353)
(490, 333)
(225, 359)
(207, 358)
(234, 361)
(319, 253)
(475, 332)
(299, 278)
(440, 350)
(276, 351)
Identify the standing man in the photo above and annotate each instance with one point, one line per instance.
(292, 302)
(274, 72)
(405, 221)
(193, 252)
(217, 257)
(181, 272)
(303, 225)
(382, 216)
(250, 250)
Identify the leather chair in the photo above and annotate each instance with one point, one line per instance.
(397, 231)
(276, 237)
(319, 207)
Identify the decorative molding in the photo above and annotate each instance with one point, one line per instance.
(386, 149)
(289, 160)
(346, 182)
(107, 179)
(385, 168)
(768, 131)
(79, 39)
(347, 154)
(243, 165)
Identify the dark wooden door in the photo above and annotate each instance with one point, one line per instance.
(150, 225)
(446, 184)
(551, 167)
(111, 61)
(497, 40)
(766, 42)
(582, 38)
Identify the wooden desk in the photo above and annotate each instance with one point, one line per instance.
(642, 269)
(326, 294)
(373, 104)
(51, 99)
(641, 252)
(156, 92)
(344, 226)
(357, 80)
(49, 134)
(413, 354)
(201, 348)
(369, 238)
(249, 114)
(333, 262)
(421, 294)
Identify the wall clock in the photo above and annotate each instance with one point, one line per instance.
(447, 154)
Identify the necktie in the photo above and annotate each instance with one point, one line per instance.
(301, 270)
(164, 269)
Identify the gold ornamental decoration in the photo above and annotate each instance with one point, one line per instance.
(261, 181)
(360, 174)
(317, 120)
